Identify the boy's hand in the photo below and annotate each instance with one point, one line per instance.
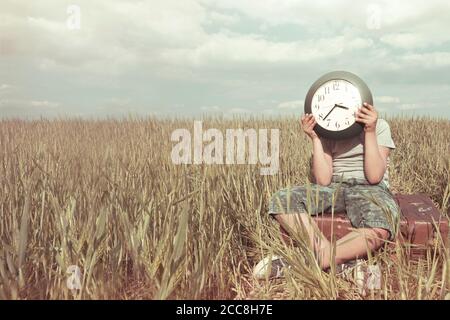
(308, 123)
(367, 115)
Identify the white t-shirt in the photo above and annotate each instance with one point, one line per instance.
(348, 154)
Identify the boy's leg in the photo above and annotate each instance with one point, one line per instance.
(373, 211)
(357, 244)
(299, 222)
(292, 209)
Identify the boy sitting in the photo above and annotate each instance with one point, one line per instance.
(355, 171)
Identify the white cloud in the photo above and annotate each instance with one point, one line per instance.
(230, 52)
(278, 12)
(238, 110)
(408, 106)
(210, 108)
(387, 99)
(43, 104)
(171, 33)
(232, 48)
(12, 107)
(428, 60)
(214, 17)
(295, 104)
(310, 14)
(6, 90)
(5, 86)
(114, 36)
(408, 40)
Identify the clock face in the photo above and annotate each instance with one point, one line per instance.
(334, 104)
(333, 99)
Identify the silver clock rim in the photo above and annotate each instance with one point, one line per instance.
(366, 96)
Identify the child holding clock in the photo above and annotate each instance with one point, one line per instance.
(355, 171)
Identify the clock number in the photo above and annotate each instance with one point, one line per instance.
(316, 106)
(321, 116)
(347, 121)
(321, 97)
(337, 125)
(328, 122)
(327, 90)
(335, 85)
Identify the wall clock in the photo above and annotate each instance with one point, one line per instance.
(333, 100)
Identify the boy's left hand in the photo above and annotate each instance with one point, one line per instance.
(367, 115)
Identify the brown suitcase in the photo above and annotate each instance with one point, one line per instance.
(422, 223)
(417, 229)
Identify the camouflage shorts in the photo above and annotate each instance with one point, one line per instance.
(367, 206)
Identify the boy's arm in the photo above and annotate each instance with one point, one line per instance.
(375, 157)
(322, 161)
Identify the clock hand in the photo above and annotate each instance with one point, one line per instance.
(340, 106)
(329, 112)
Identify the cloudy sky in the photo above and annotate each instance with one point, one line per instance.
(191, 57)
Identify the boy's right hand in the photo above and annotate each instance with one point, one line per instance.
(308, 123)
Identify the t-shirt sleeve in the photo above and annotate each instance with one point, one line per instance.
(384, 137)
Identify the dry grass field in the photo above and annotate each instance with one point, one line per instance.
(105, 196)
